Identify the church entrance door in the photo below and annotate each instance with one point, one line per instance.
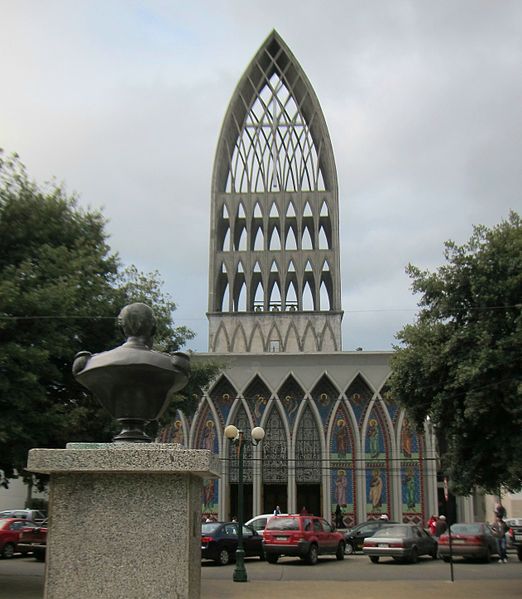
(309, 496)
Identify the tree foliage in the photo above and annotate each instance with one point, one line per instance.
(61, 289)
(460, 363)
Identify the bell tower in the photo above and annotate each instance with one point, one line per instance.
(274, 276)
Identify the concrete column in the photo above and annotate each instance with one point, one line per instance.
(124, 519)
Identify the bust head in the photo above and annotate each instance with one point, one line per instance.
(138, 323)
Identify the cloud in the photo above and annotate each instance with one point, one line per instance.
(124, 102)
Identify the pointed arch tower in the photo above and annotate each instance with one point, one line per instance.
(275, 178)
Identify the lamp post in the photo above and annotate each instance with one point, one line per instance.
(238, 438)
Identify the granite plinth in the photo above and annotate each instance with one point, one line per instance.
(124, 520)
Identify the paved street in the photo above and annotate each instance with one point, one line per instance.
(22, 578)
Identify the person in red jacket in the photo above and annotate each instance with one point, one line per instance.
(432, 523)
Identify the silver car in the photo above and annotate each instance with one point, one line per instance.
(401, 542)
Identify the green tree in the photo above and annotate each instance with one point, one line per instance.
(61, 289)
(460, 363)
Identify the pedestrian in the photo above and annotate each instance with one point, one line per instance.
(432, 523)
(500, 510)
(303, 511)
(441, 526)
(277, 511)
(338, 517)
(499, 528)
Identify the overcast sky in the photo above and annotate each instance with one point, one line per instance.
(123, 101)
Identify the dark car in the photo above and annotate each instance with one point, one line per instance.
(401, 542)
(10, 529)
(219, 542)
(33, 539)
(355, 536)
(306, 537)
(474, 540)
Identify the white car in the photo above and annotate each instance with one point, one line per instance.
(258, 523)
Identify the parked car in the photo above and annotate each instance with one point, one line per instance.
(473, 540)
(401, 542)
(33, 539)
(10, 529)
(354, 537)
(219, 542)
(31, 515)
(258, 523)
(514, 535)
(304, 536)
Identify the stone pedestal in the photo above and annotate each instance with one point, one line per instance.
(124, 520)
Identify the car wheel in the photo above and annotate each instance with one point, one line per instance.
(223, 557)
(446, 558)
(519, 553)
(271, 558)
(487, 556)
(311, 558)
(434, 554)
(374, 559)
(340, 551)
(8, 551)
(414, 557)
(349, 550)
(39, 556)
(262, 555)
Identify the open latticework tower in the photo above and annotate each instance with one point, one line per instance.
(274, 248)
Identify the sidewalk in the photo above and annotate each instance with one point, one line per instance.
(31, 587)
(483, 589)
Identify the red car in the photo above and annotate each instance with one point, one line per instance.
(306, 537)
(33, 539)
(10, 529)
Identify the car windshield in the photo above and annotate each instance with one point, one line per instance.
(283, 524)
(466, 529)
(393, 531)
(209, 527)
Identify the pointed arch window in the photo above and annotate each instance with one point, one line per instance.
(291, 297)
(308, 297)
(275, 298)
(225, 244)
(275, 150)
(324, 243)
(324, 209)
(259, 240)
(290, 241)
(275, 450)
(290, 211)
(241, 239)
(307, 450)
(259, 297)
(306, 243)
(240, 295)
(275, 240)
(324, 298)
(225, 299)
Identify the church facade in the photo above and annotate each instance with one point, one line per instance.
(336, 443)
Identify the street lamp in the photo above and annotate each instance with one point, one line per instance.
(238, 437)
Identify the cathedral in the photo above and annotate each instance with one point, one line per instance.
(335, 443)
